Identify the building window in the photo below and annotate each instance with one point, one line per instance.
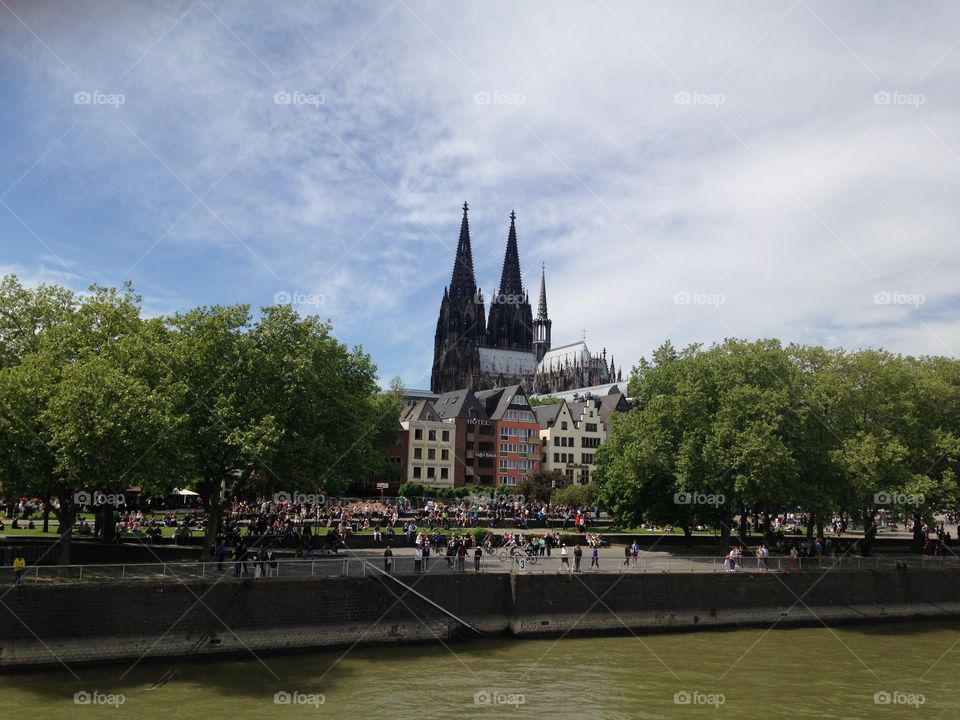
(416, 472)
(556, 457)
(418, 434)
(430, 472)
(444, 454)
(556, 440)
(445, 435)
(418, 453)
(444, 473)
(586, 458)
(432, 435)
(591, 427)
(431, 454)
(563, 425)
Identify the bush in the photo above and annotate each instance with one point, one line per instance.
(576, 495)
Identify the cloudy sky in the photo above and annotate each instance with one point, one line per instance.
(686, 170)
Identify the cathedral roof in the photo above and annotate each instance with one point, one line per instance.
(565, 356)
(499, 361)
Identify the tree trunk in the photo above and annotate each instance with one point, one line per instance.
(724, 530)
(213, 505)
(869, 531)
(767, 527)
(108, 525)
(742, 525)
(46, 515)
(918, 537)
(66, 515)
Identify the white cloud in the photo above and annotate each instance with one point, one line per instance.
(790, 192)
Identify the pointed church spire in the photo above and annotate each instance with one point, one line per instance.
(510, 280)
(463, 282)
(542, 305)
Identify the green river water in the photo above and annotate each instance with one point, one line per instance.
(891, 670)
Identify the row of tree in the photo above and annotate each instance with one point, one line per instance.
(755, 428)
(95, 396)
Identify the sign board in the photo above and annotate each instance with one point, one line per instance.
(382, 486)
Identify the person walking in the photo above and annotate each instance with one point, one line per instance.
(595, 558)
(388, 559)
(564, 558)
(626, 555)
(461, 556)
(417, 559)
(477, 557)
(635, 552)
(577, 557)
(19, 565)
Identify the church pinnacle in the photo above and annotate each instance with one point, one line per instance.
(462, 282)
(511, 282)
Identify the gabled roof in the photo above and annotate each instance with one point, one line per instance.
(497, 401)
(547, 414)
(419, 410)
(460, 404)
(614, 402)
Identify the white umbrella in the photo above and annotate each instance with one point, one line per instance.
(184, 492)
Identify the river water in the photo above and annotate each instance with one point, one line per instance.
(906, 670)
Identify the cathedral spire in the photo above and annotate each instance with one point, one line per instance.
(463, 282)
(542, 305)
(510, 281)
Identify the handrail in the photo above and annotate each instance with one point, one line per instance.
(339, 566)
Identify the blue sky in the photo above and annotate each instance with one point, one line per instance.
(686, 170)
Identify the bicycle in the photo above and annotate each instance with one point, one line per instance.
(530, 557)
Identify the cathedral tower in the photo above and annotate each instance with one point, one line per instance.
(461, 325)
(510, 325)
(541, 326)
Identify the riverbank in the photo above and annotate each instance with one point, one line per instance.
(77, 624)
